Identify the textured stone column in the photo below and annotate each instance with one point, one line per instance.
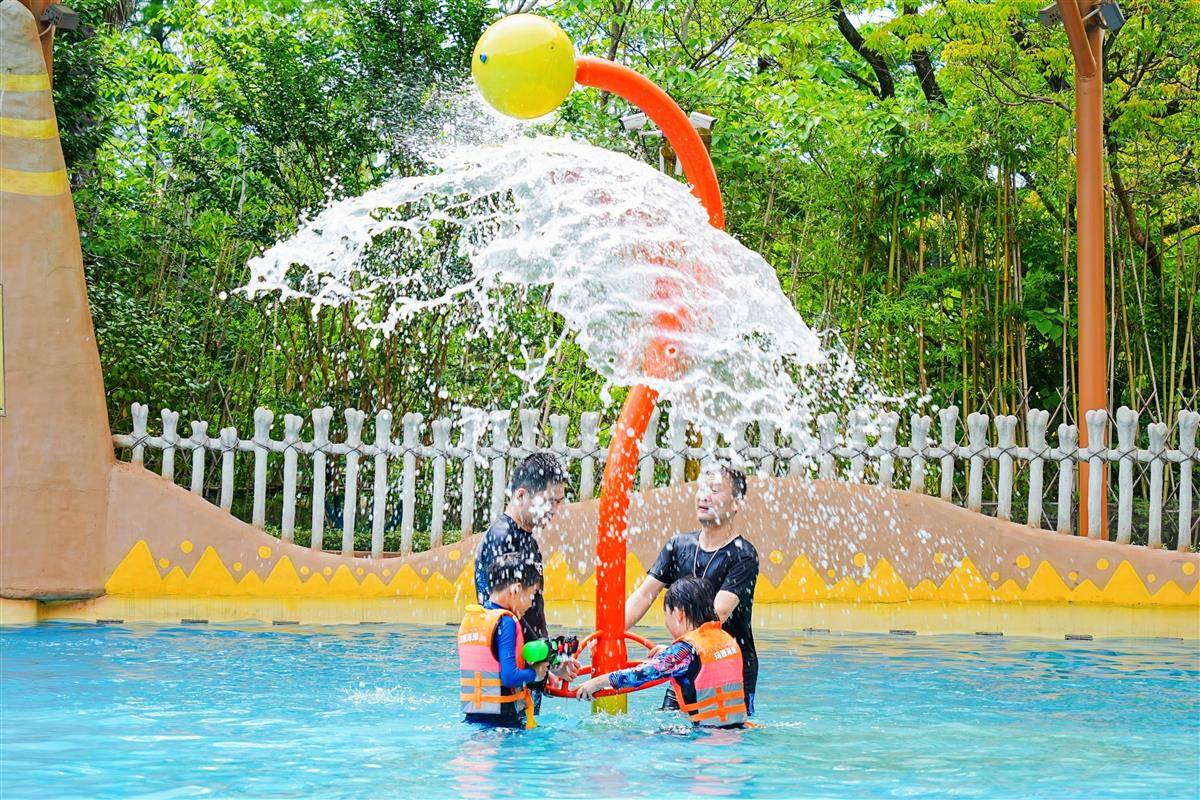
(55, 447)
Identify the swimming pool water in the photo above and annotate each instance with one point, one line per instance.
(371, 711)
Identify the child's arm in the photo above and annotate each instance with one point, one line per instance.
(673, 662)
(506, 644)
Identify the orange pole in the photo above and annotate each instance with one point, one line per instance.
(602, 74)
(615, 489)
(661, 358)
(1087, 42)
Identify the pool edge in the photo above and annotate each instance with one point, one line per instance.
(1047, 620)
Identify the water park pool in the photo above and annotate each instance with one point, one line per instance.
(255, 711)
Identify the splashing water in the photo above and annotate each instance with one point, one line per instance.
(618, 248)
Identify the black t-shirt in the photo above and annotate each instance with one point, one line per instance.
(733, 568)
(506, 536)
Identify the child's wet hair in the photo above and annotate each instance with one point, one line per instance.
(509, 568)
(694, 597)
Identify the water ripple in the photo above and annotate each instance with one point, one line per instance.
(228, 711)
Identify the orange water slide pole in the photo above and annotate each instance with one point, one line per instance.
(1087, 48)
(660, 360)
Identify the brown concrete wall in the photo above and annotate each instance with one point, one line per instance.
(179, 527)
(817, 541)
(845, 529)
(55, 450)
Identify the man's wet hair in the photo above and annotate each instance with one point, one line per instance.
(694, 597)
(737, 479)
(537, 473)
(509, 568)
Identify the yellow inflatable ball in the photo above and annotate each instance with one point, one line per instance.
(524, 66)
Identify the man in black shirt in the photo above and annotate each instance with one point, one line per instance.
(719, 555)
(536, 490)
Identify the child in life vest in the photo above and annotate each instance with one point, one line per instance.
(704, 664)
(493, 675)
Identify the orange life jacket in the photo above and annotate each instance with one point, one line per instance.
(717, 697)
(479, 669)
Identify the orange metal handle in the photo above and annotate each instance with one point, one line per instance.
(564, 690)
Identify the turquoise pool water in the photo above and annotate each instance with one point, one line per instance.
(369, 711)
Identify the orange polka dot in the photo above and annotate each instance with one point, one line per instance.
(162, 562)
(358, 571)
(328, 571)
(1188, 568)
(1023, 561)
(304, 570)
(1073, 575)
(939, 558)
(830, 573)
(1102, 564)
(237, 566)
(995, 576)
(186, 546)
(264, 552)
(424, 570)
(1152, 578)
(455, 554)
(860, 559)
(386, 572)
(776, 557)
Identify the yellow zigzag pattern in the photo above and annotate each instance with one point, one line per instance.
(138, 576)
(966, 584)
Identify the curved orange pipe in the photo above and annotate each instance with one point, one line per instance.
(603, 74)
(660, 359)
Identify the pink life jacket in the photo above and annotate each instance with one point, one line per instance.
(480, 689)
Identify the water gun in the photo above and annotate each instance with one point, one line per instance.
(550, 650)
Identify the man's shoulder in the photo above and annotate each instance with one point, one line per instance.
(683, 543)
(502, 524)
(745, 547)
(495, 540)
(503, 529)
(667, 564)
(506, 536)
(742, 551)
(684, 538)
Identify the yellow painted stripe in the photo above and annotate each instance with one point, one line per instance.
(28, 128)
(37, 184)
(39, 82)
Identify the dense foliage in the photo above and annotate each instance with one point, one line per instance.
(906, 168)
(911, 180)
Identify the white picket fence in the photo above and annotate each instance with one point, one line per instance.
(1010, 462)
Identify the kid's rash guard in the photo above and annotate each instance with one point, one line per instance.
(677, 662)
(505, 646)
